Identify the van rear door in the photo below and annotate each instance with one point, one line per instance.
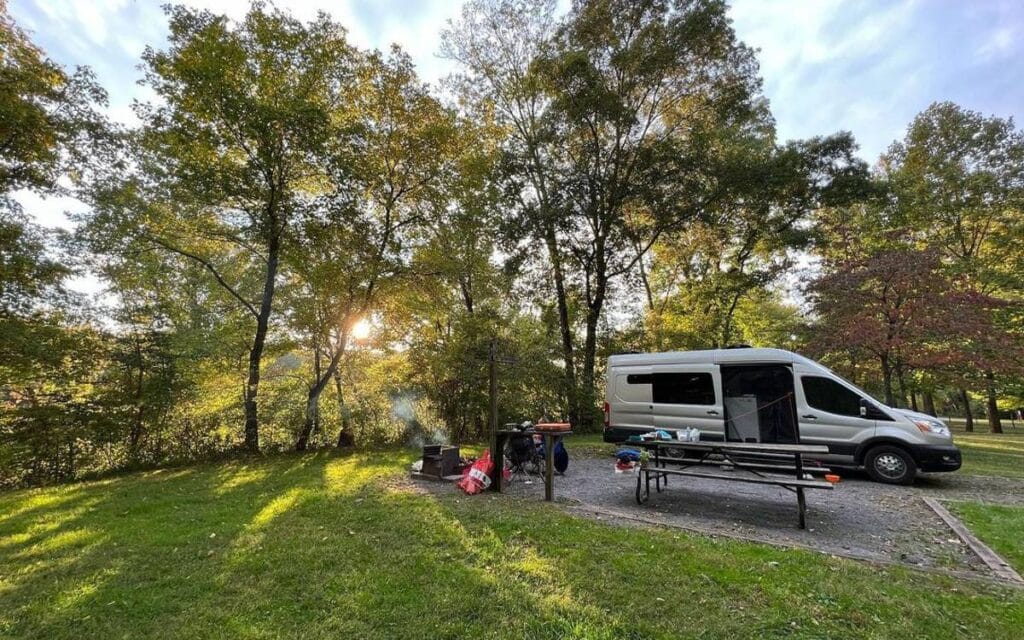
(629, 399)
(688, 395)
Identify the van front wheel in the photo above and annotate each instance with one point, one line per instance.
(890, 465)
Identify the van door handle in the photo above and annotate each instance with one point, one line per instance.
(712, 412)
(809, 416)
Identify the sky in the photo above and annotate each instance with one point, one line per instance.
(866, 66)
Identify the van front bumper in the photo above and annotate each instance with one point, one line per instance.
(937, 457)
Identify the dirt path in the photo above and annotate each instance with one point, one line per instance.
(860, 518)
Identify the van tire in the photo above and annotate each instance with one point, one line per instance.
(891, 465)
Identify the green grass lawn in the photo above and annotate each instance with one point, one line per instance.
(324, 545)
(991, 454)
(1001, 527)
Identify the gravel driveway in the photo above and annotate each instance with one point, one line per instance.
(860, 518)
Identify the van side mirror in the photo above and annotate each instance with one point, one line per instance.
(863, 408)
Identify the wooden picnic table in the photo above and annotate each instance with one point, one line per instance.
(550, 439)
(754, 457)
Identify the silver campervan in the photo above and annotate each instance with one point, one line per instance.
(772, 395)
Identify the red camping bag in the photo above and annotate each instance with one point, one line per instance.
(478, 477)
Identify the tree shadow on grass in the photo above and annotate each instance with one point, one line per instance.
(318, 545)
(73, 555)
(328, 545)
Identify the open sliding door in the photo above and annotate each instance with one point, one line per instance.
(688, 395)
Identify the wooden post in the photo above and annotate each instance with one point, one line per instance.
(492, 420)
(492, 386)
(549, 466)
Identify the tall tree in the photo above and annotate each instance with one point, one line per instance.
(48, 117)
(958, 181)
(50, 128)
(610, 115)
(235, 145)
(457, 300)
(897, 307)
(403, 141)
(700, 276)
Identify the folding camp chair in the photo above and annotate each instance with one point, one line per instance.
(523, 455)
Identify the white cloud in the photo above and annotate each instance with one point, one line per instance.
(1000, 43)
(869, 67)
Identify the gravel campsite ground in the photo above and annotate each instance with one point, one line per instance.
(860, 518)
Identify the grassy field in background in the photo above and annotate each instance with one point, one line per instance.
(325, 545)
(990, 454)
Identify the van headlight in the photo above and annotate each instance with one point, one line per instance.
(932, 426)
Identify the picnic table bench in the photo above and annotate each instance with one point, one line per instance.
(753, 457)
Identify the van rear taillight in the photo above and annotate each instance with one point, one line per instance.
(607, 415)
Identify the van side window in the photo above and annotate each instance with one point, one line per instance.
(828, 395)
(638, 378)
(683, 388)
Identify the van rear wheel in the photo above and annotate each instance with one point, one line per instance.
(890, 465)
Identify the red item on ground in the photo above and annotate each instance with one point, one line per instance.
(478, 477)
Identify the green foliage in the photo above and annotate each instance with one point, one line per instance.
(949, 194)
(48, 122)
(960, 175)
(701, 277)
(50, 357)
(604, 179)
(612, 117)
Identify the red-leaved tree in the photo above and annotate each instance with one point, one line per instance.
(897, 306)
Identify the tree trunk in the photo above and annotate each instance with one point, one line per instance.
(968, 418)
(135, 435)
(313, 398)
(345, 437)
(727, 328)
(913, 400)
(564, 325)
(929, 403)
(586, 400)
(588, 404)
(643, 279)
(252, 387)
(994, 424)
(312, 421)
(887, 381)
(309, 425)
(902, 385)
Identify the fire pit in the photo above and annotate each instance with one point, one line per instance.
(440, 460)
